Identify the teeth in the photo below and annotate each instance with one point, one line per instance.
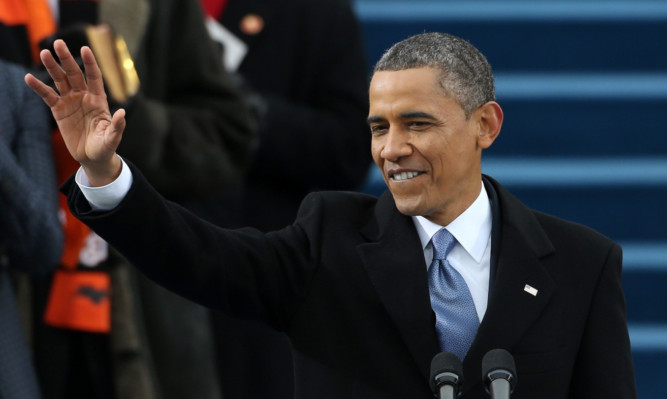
(404, 176)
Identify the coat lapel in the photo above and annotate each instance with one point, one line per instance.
(511, 310)
(394, 260)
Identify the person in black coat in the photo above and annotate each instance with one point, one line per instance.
(347, 281)
(305, 67)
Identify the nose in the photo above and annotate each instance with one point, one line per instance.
(397, 145)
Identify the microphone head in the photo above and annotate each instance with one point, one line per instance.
(498, 363)
(446, 368)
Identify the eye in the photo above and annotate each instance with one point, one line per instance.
(379, 129)
(419, 125)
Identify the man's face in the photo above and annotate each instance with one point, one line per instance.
(428, 152)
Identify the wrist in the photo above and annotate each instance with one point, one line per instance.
(105, 173)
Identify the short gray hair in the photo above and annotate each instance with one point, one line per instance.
(464, 71)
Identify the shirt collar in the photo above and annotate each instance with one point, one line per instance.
(471, 229)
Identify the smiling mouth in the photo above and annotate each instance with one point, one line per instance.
(404, 176)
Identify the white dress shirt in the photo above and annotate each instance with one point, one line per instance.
(471, 256)
(107, 197)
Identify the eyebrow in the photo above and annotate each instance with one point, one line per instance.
(375, 119)
(417, 114)
(404, 115)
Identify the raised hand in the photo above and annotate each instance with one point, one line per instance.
(81, 111)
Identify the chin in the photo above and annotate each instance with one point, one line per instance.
(409, 208)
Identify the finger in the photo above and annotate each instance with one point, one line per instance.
(118, 124)
(55, 71)
(47, 93)
(74, 75)
(93, 73)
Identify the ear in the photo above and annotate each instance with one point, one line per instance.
(490, 122)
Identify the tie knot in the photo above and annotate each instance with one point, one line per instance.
(443, 242)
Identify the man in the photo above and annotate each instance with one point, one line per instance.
(347, 281)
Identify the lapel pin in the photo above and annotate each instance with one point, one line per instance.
(251, 24)
(532, 291)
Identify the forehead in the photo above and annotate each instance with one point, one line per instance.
(407, 90)
(420, 79)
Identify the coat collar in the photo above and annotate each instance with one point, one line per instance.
(393, 258)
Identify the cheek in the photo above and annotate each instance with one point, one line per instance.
(441, 161)
(376, 150)
(455, 154)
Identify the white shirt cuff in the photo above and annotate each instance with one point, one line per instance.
(105, 198)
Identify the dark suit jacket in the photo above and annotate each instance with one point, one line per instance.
(347, 283)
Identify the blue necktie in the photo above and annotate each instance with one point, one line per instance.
(456, 318)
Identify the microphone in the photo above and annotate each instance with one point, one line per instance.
(446, 375)
(499, 373)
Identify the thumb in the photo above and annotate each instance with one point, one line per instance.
(117, 126)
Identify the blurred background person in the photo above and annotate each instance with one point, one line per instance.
(101, 330)
(31, 238)
(304, 66)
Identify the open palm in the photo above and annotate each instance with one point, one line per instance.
(80, 107)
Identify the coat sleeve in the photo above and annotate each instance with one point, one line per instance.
(244, 273)
(604, 367)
